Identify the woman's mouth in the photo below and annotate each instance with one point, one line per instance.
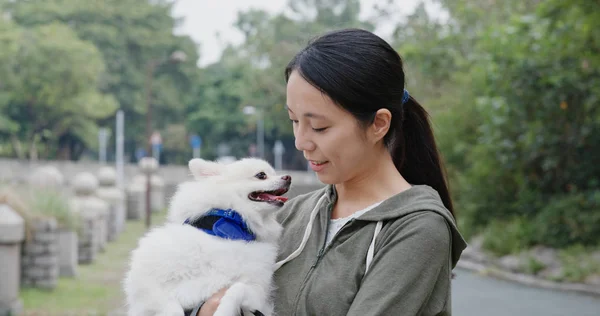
(318, 165)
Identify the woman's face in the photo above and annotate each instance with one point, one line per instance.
(332, 140)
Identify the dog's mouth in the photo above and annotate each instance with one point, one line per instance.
(272, 197)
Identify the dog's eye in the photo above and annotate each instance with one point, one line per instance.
(261, 175)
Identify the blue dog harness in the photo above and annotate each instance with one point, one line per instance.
(227, 224)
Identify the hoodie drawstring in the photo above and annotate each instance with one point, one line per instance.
(371, 251)
(308, 230)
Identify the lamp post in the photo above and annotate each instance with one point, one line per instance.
(102, 143)
(175, 57)
(120, 144)
(260, 129)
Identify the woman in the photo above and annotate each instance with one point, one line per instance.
(380, 238)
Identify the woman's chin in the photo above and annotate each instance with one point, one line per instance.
(326, 178)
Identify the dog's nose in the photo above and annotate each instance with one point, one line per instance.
(286, 178)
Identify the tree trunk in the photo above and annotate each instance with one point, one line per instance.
(33, 150)
(64, 148)
(17, 147)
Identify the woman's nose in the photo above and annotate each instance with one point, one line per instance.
(303, 144)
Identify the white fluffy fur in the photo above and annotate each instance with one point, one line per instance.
(175, 266)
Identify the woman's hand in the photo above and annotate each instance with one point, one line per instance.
(210, 306)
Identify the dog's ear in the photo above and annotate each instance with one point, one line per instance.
(203, 168)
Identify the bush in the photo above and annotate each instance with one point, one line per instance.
(536, 151)
(53, 203)
(569, 219)
(507, 237)
(33, 203)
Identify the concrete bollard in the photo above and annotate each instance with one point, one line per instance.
(93, 213)
(157, 192)
(135, 201)
(39, 260)
(66, 238)
(46, 176)
(149, 167)
(68, 252)
(12, 234)
(107, 177)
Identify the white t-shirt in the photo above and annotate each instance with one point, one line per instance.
(336, 224)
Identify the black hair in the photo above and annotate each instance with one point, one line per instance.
(362, 73)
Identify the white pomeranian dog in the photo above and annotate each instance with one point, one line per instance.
(220, 233)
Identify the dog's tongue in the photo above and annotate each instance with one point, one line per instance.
(271, 197)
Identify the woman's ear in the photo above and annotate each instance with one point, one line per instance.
(380, 125)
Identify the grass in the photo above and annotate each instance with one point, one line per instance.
(97, 288)
(578, 263)
(533, 266)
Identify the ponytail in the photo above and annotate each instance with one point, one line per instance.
(415, 153)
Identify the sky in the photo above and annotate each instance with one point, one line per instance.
(205, 18)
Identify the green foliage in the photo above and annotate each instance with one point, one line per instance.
(33, 203)
(533, 266)
(44, 106)
(507, 237)
(52, 203)
(527, 144)
(577, 263)
(128, 35)
(569, 219)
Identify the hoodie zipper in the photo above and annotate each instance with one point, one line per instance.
(312, 267)
(320, 255)
(324, 248)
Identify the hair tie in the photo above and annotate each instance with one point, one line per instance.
(405, 97)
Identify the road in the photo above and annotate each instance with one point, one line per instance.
(476, 295)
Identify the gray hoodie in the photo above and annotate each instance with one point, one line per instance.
(413, 255)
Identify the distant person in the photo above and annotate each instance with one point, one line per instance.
(140, 153)
(381, 237)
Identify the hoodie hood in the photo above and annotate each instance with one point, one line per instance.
(419, 198)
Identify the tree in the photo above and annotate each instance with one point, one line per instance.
(129, 34)
(538, 142)
(51, 88)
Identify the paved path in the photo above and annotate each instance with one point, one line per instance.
(476, 295)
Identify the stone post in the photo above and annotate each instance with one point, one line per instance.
(107, 177)
(149, 166)
(93, 213)
(158, 198)
(66, 238)
(68, 252)
(12, 233)
(135, 200)
(46, 176)
(39, 260)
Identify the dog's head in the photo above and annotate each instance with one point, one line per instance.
(249, 186)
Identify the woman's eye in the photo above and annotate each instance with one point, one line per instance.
(261, 175)
(319, 129)
(294, 121)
